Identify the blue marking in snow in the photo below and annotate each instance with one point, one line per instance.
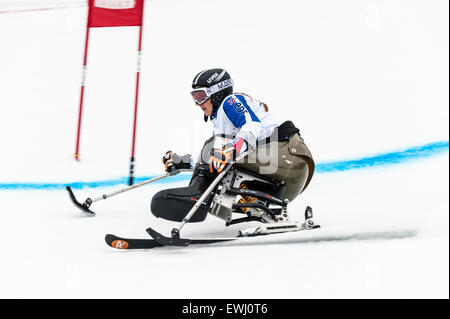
(93, 184)
(399, 157)
(413, 153)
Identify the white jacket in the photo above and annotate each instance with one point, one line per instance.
(241, 116)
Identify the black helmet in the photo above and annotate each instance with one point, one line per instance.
(210, 77)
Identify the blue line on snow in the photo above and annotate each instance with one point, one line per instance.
(413, 153)
(409, 154)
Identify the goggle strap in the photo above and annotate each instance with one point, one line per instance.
(219, 86)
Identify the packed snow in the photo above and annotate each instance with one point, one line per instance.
(358, 77)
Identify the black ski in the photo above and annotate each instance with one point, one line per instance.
(131, 243)
(159, 240)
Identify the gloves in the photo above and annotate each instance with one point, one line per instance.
(173, 161)
(221, 157)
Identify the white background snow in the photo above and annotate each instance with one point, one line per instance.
(358, 77)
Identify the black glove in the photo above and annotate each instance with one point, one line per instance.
(173, 161)
(220, 158)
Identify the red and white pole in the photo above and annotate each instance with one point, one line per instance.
(133, 143)
(83, 82)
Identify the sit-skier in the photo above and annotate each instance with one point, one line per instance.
(240, 123)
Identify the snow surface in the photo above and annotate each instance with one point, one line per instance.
(359, 77)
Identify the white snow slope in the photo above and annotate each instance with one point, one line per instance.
(359, 77)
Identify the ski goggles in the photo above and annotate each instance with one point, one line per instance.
(201, 95)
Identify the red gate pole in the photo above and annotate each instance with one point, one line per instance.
(133, 143)
(83, 80)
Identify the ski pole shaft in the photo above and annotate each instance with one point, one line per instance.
(154, 179)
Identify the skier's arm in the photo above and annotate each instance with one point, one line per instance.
(241, 116)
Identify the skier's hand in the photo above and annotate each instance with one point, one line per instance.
(221, 157)
(173, 161)
(168, 161)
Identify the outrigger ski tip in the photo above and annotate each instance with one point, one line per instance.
(84, 207)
